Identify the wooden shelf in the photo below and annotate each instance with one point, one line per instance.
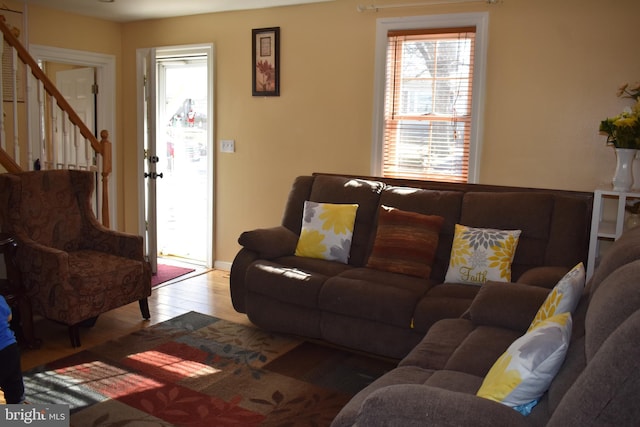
(609, 229)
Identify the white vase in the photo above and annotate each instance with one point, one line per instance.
(623, 178)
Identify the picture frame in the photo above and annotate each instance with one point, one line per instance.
(265, 61)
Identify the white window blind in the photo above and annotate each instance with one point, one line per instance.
(427, 111)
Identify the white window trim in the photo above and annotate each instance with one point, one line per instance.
(481, 21)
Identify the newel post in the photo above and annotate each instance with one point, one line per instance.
(106, 171)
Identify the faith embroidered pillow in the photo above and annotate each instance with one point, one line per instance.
(564, 297)
(406, 242)
(524, 372)
(326, 231)
(481, 254)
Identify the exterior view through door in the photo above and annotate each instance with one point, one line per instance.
(179, 157)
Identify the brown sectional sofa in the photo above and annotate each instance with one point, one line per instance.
(597, 385)
(389, 313)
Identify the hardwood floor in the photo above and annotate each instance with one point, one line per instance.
(202, 291)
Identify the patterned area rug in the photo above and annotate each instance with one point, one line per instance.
(197, 370)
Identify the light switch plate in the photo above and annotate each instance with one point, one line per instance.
(227, 146)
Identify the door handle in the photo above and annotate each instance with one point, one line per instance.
(153, 175)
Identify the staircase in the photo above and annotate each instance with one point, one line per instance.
(62, 140)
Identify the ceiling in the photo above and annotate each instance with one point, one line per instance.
(136, 10)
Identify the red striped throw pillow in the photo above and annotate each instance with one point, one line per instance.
(406, 242)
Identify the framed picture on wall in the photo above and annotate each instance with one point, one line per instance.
(266, 61)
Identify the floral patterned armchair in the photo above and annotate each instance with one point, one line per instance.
(72, 267)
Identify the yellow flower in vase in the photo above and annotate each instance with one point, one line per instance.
(623, 130)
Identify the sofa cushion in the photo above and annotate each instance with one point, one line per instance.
(480, 349)
(364, 193)
(481, 254)
(530, 212)
(367, 335)
(613, 301)
(523, 373)
(506, 305)
(446, 204)
(443, 301)
(544, 276)
(404, 375)
(326, 231)
(376, 295)
(312, 265)
(410, 405)
(574, 364)
(564, 297)
(606, 392)
(285, 283)
(275, 315)
(406, 242)
(454, 381)
(299, 193)
(569, 233)
(625, 250)
(437, 346)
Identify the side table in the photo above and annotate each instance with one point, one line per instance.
(11, 289)
(610, 230)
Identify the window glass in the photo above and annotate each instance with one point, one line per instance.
(428, 101)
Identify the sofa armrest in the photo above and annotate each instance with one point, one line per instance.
(244, 258)
(546, 277)
(506, 305)
(410, 405)
(270, 243)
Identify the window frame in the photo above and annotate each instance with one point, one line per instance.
(481, 21)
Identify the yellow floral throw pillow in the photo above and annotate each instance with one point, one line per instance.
(481, 254)
(564, 296)
(524, 372)
(326, 231)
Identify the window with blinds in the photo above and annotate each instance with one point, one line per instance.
(427, 104)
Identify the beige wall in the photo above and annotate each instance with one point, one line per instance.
(52, 28)
(552, 73)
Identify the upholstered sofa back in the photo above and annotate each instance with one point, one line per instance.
(601, 373)
(554, 224)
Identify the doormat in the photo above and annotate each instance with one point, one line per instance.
(197, 370)
(168, 272)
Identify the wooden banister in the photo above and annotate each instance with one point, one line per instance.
(8, 163)
(26, 58)
(106, 171)
(102, 147)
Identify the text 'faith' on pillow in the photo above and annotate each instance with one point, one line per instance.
(481, 254)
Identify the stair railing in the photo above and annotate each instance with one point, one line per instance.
(64, 140)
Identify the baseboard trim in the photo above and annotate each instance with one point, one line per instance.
(222, 265)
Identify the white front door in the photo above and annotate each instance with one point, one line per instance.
(178, 151)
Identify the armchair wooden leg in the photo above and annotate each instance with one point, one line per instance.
(144, 308)
(74, 335)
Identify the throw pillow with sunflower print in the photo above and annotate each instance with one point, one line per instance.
(481, 254)
(327, 229)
